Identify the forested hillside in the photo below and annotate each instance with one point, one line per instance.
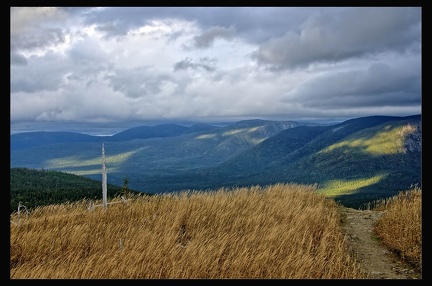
(356, 161)
(151, 156)
(43, 187)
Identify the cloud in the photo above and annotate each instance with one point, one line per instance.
(40, 73)
(206, 38)
(138, 82)
(203, 63)
(35, 27)
(87, 51)
(17, 59)
(106, 64)
(393, 82)
(336, 36)
(39, 39)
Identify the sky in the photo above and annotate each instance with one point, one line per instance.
(114, 65)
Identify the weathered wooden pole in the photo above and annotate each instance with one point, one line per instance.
(104, 178)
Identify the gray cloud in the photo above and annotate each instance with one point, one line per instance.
(203, 63)
(41, 73)
(115, 22)
(39, 39)
(53, 71)
(335, 36)
(379, 84)
(87, 51)
(17, 59)
(35, 27)
(206, 38)
(138, 82)
(251, 24)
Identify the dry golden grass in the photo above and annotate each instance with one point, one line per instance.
(281, 231)
(400, 227)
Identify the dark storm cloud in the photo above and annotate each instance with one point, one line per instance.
(203, 63)
(339, 35)
(379, 84)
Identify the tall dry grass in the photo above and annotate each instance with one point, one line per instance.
(281, 231)
(400, 226)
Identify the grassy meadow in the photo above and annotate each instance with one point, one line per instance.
(287, 231)
(281, 231)
(400, 227)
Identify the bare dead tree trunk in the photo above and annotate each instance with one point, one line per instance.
(104, 178)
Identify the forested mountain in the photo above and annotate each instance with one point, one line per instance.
(152, 155)
(158, 131)
(374, 162)
(356, 161)
(295, 143)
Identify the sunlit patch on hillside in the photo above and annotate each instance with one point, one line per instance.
(257, 140)
(241, 130)
(94, 171)
(206, 136)
(75, 161)
(386, 142)
(232, 132)
(334, 188)
(338, 128)
(87, 172)
(252, 129)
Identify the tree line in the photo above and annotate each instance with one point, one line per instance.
(34, 187)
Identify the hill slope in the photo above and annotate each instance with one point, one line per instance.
(153, 155)
(42, 187)
(356, 161)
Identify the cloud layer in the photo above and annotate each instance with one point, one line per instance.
(200, 64)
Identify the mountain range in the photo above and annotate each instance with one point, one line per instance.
(355, 161)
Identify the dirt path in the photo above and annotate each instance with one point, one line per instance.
(375, 258)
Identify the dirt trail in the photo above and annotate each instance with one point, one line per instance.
(375, 258)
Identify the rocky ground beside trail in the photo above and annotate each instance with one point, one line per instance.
(376, 259)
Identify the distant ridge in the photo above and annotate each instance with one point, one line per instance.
(24, 140)
(145, 132)
(39, 138)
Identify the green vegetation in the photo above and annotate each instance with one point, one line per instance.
(354, 162)
(34, 188)
(334, 188)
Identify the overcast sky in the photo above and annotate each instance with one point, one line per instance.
(213, 64)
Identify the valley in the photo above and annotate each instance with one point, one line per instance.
(356, 161)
